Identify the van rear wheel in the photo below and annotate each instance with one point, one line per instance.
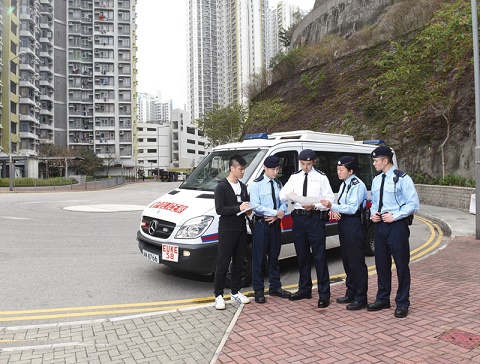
(246, 271)
(370, 240)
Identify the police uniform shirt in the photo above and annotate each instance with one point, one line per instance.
(261, 197)
(399, 198)
(317, 186)
(354, 194)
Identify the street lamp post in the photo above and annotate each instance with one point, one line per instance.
(158, 152)
(477, 116)
(10, 161)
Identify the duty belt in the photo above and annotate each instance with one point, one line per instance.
(302, 212)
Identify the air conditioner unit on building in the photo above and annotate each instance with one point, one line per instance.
(120, 65)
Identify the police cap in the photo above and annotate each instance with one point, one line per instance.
(307, 155)
(382, 151)
(272, 162)
(347, 161)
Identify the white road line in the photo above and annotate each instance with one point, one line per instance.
(50, 346)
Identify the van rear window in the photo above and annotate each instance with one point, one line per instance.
(327, 163)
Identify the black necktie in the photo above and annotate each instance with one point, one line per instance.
(341, 193)
(273, 195)
(380, 202)
(305, 181)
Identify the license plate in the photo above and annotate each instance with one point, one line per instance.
(170, 252)
(152, 257)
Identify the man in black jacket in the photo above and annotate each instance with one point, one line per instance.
(231, 197)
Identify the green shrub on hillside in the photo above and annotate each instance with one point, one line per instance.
(448, 180)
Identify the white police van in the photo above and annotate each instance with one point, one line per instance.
(180, 228)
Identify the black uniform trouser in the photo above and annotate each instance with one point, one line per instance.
(391, 240)
(309, 233)
(266, 243)
(352, 235)
(231, 247)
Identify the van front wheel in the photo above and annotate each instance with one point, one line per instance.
(246, 272)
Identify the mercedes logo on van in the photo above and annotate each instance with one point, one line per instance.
(152, 227)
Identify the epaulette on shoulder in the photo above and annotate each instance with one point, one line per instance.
(355, 181)
(258, 179)
(297, 171)
(399, 173)
(319, 171)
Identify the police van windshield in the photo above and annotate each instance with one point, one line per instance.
(215, 168)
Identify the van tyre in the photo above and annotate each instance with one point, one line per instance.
(370, 240)
(247, 270)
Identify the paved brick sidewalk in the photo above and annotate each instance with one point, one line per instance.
(445, 300)
(187, 336)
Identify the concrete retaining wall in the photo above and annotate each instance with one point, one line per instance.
(445, 196)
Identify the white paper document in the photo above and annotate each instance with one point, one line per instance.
(250, 208)
(304, 200)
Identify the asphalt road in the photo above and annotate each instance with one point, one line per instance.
(59, 257)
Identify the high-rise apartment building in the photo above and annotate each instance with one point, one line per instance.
(202, 56)
(228, 42)
(71, 71)
(100, 66)
(151, 109)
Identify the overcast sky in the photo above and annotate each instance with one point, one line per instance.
(161, 31)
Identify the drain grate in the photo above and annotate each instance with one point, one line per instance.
(461, 338)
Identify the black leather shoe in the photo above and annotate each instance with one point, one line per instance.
(401, 312)
(300, 295)
(355, 306)
(344, 300)
(377, 306)
(323, 303)
(260, 297)
(280, 293)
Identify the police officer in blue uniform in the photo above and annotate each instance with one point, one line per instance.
(351, 202)
(269, 210)
(394, 201)
(309, 226)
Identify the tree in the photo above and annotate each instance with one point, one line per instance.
(90, 163)
(267, 114)
(257, 83)
(54, 157)
(417, 75)
(223, 125)
(112, 159)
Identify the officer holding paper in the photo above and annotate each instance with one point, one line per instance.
(351, 232)
(309, 226)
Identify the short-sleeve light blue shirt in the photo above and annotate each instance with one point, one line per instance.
(261, 197)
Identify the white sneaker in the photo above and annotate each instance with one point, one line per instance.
(240, 298)
(219, 303)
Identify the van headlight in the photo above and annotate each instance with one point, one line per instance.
(195, 227)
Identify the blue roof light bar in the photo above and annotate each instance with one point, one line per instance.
(256, 136)
(374, 142)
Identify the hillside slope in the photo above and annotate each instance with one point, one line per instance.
(338, 97)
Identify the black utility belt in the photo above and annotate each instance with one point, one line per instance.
(357, 214)
(301, 212)
(258, 218)
(262, 219)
